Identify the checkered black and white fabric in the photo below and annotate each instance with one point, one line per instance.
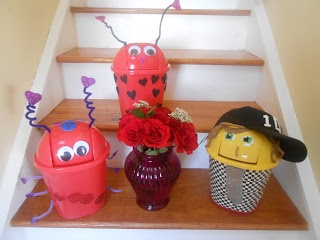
(247, 191)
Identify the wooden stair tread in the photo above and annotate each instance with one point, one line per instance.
(174, 56)
(204, 114)
(219, 12)
(190, 207)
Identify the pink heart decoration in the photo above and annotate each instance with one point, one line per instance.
(87, 82)
(100, 18)
(176, 4)
(32, 98)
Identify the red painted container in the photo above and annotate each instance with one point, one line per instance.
(72, 160)
(140, 72)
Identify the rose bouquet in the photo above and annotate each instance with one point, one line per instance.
(156, 129)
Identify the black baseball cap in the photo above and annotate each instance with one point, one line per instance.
(265, 123)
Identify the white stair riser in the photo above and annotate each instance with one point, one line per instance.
(186, 4)
(185, 82)
(178, 31)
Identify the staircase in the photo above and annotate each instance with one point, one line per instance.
(218, 62)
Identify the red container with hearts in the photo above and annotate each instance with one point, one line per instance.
(140, 73)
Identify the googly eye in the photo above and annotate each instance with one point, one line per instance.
(247, 140)
(134, 50)
(230, 136)
(65, 153)
(81, 148)
(150, 51)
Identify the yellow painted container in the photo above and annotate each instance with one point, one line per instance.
(241, 162)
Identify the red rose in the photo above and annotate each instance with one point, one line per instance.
(158, 135)
(186, 138)
(164, 110)
(132, 132)
(154, 128)
(125, 120)
(174, 123)
(161, 113)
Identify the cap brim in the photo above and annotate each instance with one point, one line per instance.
(294, 149)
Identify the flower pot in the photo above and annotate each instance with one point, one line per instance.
(152, 177)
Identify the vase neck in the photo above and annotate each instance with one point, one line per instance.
(152, 158)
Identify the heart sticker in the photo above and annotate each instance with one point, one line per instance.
(124, 79)
(87, 82)
(143, 82)
(155, 92)
(154, 79)
(132, 94)
(164, 78)
(32, 98)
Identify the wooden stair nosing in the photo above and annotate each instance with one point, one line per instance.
(174, 56)
(190, 207)
(204, 114)
(212, 12)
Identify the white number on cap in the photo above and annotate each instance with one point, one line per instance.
(275, 120)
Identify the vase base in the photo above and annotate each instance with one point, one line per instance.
(152, 206)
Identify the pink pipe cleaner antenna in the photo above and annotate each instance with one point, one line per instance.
(87, 82)
(33, 98)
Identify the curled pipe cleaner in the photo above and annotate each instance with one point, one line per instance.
(87, 82)
(102, 19)
(29, 195)
(203, 140)
(26, 179)
(34, 219)
(113, 155)
(114, 190)
(116, 170)
(176, 5)
(32, 99)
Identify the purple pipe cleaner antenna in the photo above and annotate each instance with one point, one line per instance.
(34, 219)
(32, 99)
(87, 82)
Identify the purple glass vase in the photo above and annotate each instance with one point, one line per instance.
(152, 177)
